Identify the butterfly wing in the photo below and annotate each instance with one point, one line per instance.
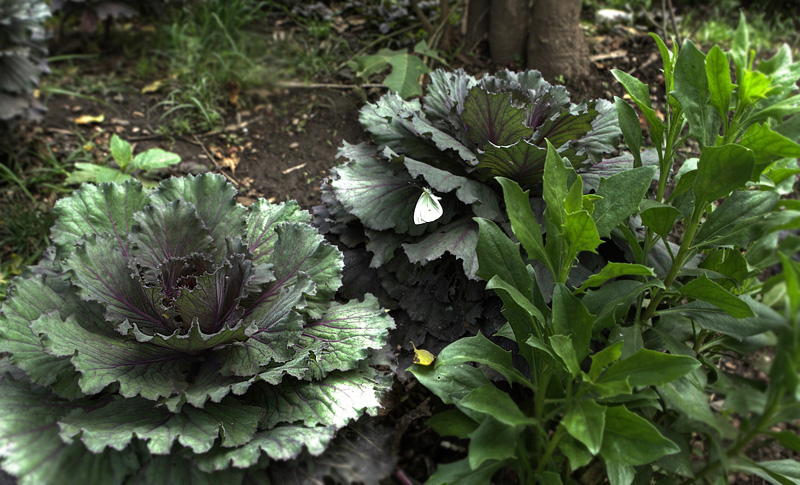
(428, 208)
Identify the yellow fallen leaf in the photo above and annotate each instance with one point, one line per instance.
(422, 357)
(152, 87)
(89, 119)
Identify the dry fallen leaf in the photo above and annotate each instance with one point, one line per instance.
(152, 87)
(88, 119)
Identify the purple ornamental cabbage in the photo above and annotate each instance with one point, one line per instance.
(462, 134)
(175, 336)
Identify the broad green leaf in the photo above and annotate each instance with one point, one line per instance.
(491, 401)
(492, 440)
(529, 316)
(121, 151)
(729, 221)
(622, 194)
(570, 317)
(576, 453)
(719, 81)
(283, 442)
(90, 172)
(778, 472)
(658, 217)
(523, 222)
(753, 87)
(145, 370)
(117, 423)
(452, 422)
(366, 66)
(483, 351)
(154, 159)
(405, 75)
(28, 300)
(722, 170)
(458, 238)
(104, 209)
(497, 255)
(649, 368)
(667, 60)
(33, 449)
(342, 396)
(585, 421)
(711, 317)
(767, 146)
(580, 232)
(787, 439)
(730, 263)
(169, 231)
(554, 187)
(619, 474)
(691, 91)
(460, 473)
(346, 333)
(614, 270)
(494, 118)
(214, 200)
(741, 46)
(300, 249)
(449, 382)
(630, 439)
(603, 358)
(640, 93)
(686, 397)
(522, 162)
(262, 221)
(791, 277)
(563, 346)
(706, 290)
(631, 129)
(102, 273)
(176, 468)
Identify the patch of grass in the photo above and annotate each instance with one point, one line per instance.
(212, 50)
(767, 30)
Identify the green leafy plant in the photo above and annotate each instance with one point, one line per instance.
(22, 55)
(463, 132)
(619, 370)
(407, 68)
(142, 166)
(175, 336)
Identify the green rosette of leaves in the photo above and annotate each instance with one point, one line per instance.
(175, 336)
(454, 141)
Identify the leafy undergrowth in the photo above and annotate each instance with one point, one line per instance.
(278, 144)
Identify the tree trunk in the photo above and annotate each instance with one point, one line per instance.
(556, 45)
(477, 21)
(508, 24)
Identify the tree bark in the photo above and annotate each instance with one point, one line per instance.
(508, 25)
(556, 45)
(477, 21)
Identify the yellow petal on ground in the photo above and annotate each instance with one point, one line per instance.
(89, 119)
(152, 87)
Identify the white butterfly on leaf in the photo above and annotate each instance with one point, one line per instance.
(428, 208)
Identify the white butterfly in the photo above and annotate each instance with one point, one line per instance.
(428, 208)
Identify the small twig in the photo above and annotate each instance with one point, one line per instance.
(210, 156)
(237, 126)
(674, 24)
(609, 55)
(426, 23)
(295, 84)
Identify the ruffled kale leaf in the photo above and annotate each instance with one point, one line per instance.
(453, 142)
(177, 322)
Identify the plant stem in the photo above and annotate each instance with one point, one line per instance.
(680, 259)
(551, 447)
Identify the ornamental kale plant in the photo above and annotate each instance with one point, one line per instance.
(464, 132)
(628, 375)
(176, 336)
(22, 55)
